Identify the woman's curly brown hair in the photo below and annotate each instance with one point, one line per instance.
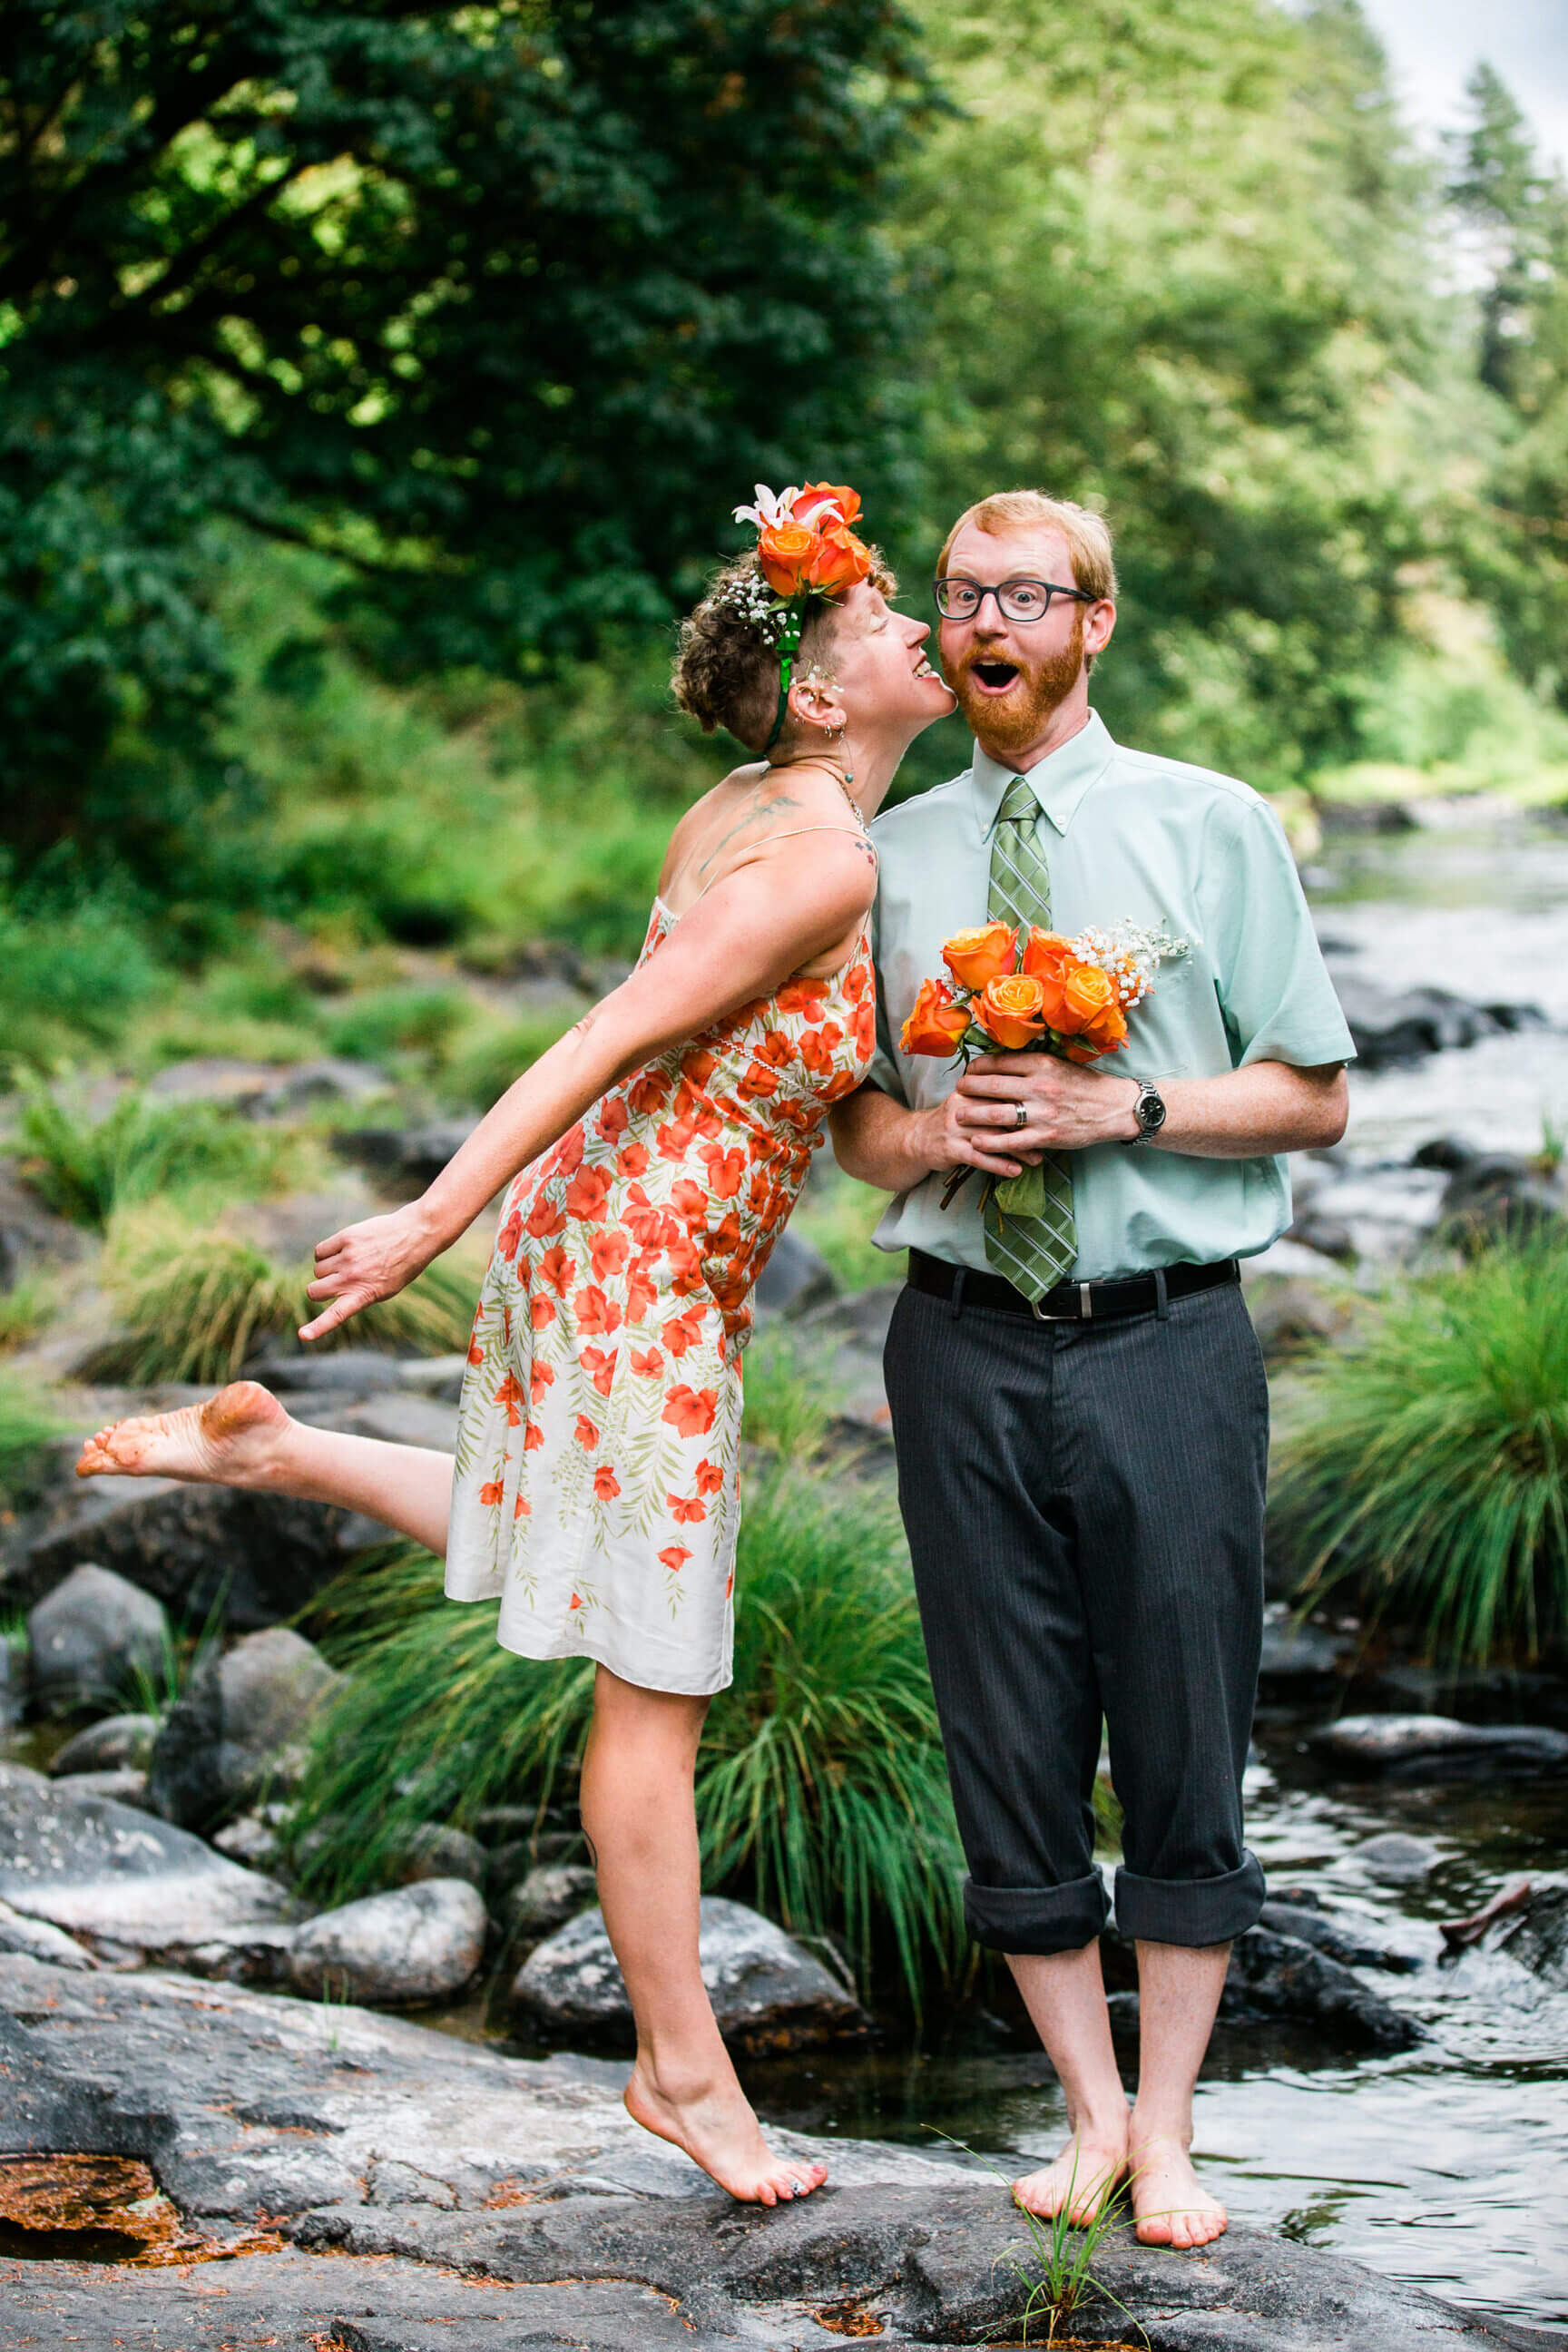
(726, 669)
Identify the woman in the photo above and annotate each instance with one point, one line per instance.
(661, 1145)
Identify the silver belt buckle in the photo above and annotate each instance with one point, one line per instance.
(1085, 1309)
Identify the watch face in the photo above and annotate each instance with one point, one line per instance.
(1151, 1113)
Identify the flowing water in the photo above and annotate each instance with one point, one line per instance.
(1446, 2165)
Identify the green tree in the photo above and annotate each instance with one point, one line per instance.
(497, 305)
(1186, 275)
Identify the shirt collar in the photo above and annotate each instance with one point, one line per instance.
(1058, 782)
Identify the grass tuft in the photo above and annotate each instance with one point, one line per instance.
(1430, 1466)
(86, 1169)
(25, 1428)
(820, 1787)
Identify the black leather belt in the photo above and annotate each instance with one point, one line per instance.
(1070, 1302)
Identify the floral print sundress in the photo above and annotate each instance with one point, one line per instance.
(597, 1485)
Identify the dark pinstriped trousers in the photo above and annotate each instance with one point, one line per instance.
(1084, 1505)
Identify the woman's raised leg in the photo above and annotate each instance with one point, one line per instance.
(639, 1816)
(243, 1437)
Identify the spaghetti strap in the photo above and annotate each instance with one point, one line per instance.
(793, 833)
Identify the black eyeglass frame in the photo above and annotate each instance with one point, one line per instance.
(1051, 588)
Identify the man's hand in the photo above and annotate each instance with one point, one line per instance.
(372, 1260)
(1068, 1106)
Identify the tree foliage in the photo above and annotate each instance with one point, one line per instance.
(498, 304)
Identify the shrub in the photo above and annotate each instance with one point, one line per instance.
(25, 1428)
(26, 1309)
(1431, 1462)
(195, 1307)
(86, 1169)
(480, 1071)
(820, 1787)
(399, 1021)
(83, 966)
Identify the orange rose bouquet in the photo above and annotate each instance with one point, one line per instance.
(805, 549)
(1034, 992)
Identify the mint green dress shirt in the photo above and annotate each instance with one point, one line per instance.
(1128, 837)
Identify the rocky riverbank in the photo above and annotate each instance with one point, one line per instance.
(471, 2200)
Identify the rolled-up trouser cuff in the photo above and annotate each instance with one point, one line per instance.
(1038, 1919)
(1190, 1910)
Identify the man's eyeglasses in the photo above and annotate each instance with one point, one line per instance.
(1016, 600)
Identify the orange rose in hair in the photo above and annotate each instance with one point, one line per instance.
(783, 549)
(936, 1024)
(1012, 1009)
(985, 954)
(812, 506)
(837, 562)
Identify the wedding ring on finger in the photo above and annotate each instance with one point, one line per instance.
(1020, 1114)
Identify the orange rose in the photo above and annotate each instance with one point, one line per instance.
(811, 507)
(838, 560)
(1049, 959)
(985, 954)
(937, 1022)
(1012, 1009)
(1086, 996)
(783, 550)
(1107, 1032)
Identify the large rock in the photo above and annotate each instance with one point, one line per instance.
(1348, 1941)
(91, 1637)
(203, 1550)
(768, 1992)
(107, 1746)
(1282, 1978)
(405, 1160)
(1396, 1858)
(120, 1880)
(418, 1943)
(1499, 1198)
(40, 1941)
(437, 2175)
(795, 1278)
(1538, 1935)
(1298, 1657)
(1403, 1025)
(436, 1850)
(552, 1893)
(1439, 1747)
(238, 1732)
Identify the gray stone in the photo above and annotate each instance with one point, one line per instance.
(795, 1278)
(1274, 1977)
(238, 1732)
(1403, 1025)
(435, 1851)
(417, 1943)
(117, 1878)
(437, 2174)
(1290, 1313)
(1498, 1198)
(14, 1678)
(91, 1636)
(1395, 1859)
(1345, 1939)
(253, 1838)
(768, 1992)
(114, 1740)
(1539, 1937)
(330, 1079)
(1439, 1747)
(405, 1160)
(550, 1896)
(361, 1372)
(1296, 1654)
(434, 1376)
(38, 1941)
(123, 1782)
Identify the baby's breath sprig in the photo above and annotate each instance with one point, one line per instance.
(749, 596)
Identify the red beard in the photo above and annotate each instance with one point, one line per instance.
(1019, 720)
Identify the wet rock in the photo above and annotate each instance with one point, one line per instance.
(203, 1550)
(91, 1636)
(38, 1941)
(1347, 1941)
(767, 1990)
(1439, 1747)
(1298, 1656)
(14, 1679)
(550, 1896)
(123, 1782)
(1499, 1198)
(417, 1943)
(116, 1878)
(238, 1729)
(1447, 1154)
(1403, 1025)
(434, 1851)
(795, 1278)
(1396, 1859)
(1538, 1936)
(1280, 1975)
(105, 1745)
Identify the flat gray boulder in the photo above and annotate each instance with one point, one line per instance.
(239, 1729)
(768, 1992)
(118, 1878)
(416, 1943)
(91, 1636)
(107, 1745)
(1433, 1747)
(38, 1941)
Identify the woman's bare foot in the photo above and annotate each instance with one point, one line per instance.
(230, 1441)
(1172, 2206)
(719, 2131)
(1081, 2182)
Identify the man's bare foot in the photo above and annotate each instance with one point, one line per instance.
(230, 1441)
(719, 2131)
(1172, 2206)
(1081, 2180)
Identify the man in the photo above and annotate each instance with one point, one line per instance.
(1078, 1401)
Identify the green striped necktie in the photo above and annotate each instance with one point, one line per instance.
(1035, 1253)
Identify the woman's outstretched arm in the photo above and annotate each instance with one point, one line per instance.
(755, 928)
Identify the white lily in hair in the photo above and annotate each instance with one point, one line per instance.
(771, 507)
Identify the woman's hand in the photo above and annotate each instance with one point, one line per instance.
(372, 1260)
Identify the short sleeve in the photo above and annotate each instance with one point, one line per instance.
(883, 1073)
(1276, 996)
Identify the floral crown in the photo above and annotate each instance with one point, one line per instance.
(805, 549)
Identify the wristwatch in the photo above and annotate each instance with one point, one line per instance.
(1149, 1110)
